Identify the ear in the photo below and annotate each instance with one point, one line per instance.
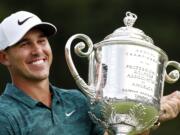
(4, 58)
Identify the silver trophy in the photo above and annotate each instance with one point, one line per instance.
(126, 77)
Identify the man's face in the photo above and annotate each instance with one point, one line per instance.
(30, 58)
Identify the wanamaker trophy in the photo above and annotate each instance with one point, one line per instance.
(126, 77)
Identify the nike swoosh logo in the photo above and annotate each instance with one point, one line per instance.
(23, 21)
(69, 113)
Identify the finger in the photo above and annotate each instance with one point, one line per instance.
(166, 113)
(175, 94)
(169, 109)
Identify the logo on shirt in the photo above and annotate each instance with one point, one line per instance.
(68, 114)
(23, 21)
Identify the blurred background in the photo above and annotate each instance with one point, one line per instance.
(159, 19)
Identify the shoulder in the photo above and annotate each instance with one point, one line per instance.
(6, 117)
(6, 104)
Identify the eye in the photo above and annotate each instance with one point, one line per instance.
(42, 41)
(23, 44)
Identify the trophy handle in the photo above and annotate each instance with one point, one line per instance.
(174, 75)
(84, 87)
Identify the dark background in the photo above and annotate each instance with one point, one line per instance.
(159, 19)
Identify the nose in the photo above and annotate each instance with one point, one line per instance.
(36, 49)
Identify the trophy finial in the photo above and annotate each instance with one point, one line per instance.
(130, 19)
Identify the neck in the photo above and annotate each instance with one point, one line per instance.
(38, 90)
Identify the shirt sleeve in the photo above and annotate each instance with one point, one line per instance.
(5, 125)
(95, 110)
(98, 130)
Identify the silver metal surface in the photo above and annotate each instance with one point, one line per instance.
(126, 77)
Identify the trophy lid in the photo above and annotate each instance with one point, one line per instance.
(129, 35)
(129, 32)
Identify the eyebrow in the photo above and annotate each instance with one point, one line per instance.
(26, 39)
(22, 40)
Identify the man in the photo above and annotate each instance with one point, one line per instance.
(30, 105)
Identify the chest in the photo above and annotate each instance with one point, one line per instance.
(67, 119)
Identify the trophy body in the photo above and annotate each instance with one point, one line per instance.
(126, 75)
(130, 79)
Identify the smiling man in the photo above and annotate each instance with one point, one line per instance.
(30, 104)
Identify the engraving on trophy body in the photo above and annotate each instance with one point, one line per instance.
(128, 75)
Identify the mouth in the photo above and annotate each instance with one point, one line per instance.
(38, 61)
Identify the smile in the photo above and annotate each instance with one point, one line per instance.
(37, 62)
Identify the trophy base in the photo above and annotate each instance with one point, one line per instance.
(123, 129)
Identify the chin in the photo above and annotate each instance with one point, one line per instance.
(40, 76)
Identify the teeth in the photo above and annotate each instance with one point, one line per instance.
(38, 62)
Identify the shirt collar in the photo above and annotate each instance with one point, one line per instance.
(14, 92)
(55, 94)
